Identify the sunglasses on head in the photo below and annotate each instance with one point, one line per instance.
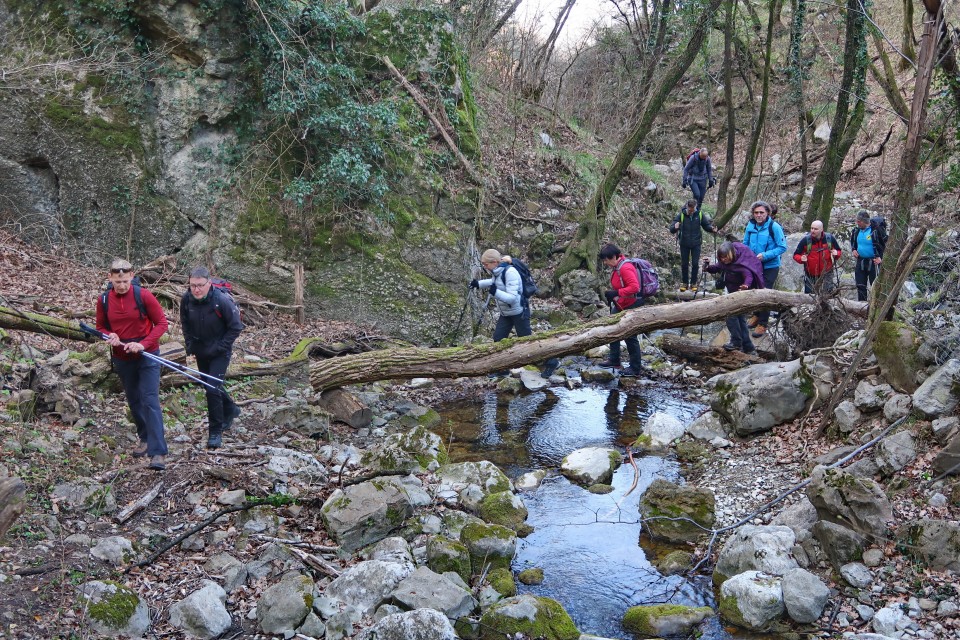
(122, 270)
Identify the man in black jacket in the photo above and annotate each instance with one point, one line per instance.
(687, 225)
(211, 323)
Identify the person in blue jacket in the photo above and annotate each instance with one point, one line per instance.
(764, 236)
(698, 175)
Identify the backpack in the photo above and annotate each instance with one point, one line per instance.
(137, 298)
(528, 284)
(691, 154)
(649, 280)
(879, 226)
(827, 238)
(223, 288)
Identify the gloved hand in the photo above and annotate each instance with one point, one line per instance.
(474, 284)
(713, 182)
(493, 290)
(684, 184)
(610, 295)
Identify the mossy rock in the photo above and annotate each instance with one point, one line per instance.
(529, 616)
(664, 619)
(445, 554)
(114, 609)
(663, 500)
(531, 576)
(600, 489)
(504, 508)
(674, 563)
(896, 347)
(502, 580)
(489, 544)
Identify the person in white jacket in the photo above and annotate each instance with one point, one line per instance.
(506, 288)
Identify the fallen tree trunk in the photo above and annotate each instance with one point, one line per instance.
(345, 407)
(473, 360)
(705, 354)
(38, 323)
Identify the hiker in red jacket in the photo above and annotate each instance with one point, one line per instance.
(818, 252)
(133, 322)
(624, 293)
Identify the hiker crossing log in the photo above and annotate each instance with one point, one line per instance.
(474, 360)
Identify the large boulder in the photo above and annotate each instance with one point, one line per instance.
(654, 620)
(800, 517)
(855, 502)
(895, 347)
(935, 542)
(870, 397)
(804, 595)
(445, 554)
(407, 452)
(84, 495)
(367, 585)
(419, 624)
(940, 393)
(591, 465)
(527, 616)
(895, 452)
(202, 614)
(756, 548)
(489, 544)
(947, 462)
(841, 544)
(113, 610)
(471, 482)
(759, 397)
(367, 512)
(752, 599)
(663, 502)
(424, 589)
(285, 605)
(504, 508)
(663, 429)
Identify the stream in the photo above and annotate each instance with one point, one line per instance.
(588, 545)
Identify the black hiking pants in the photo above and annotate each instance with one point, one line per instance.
(219, 405)
(864, 274)
(699, 189)
(689, 264)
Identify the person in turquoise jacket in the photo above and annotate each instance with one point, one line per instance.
(764, 236)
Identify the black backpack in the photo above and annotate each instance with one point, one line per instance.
(879, 226)
(137, 298)
(529, 285)
(222, 291)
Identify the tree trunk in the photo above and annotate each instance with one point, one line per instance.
(704, 354)
(759, 120)
(345, 407)
(852, 85)
(907, 46)
(12, 502)
(500, 24)
(888, 80)
(907, 178)
(727, 174)
(38, 323)
(474, 360)
(797, 73)
(582, 251)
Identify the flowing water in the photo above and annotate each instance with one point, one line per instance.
(588, 545)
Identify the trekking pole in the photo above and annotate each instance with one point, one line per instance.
(456, 329)
(163, 362)
(476, 326)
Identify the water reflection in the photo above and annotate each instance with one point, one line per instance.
(587, 544)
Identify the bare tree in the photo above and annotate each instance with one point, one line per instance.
(727, 175)
(907, 46)
(582, 250)
(910, 160)
(534, 78)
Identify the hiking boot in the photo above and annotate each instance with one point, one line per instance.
(683, 288)
(759, 331)
(753, 321)
(140, 450)
(629, 372)
(731, 347)
(230, 418)
(215, 441)
(693, 288)
(549, 370)
(156, 463)
(750, 350)
(609, 364)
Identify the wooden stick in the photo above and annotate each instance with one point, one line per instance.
(314, 562)
(140, 503)
(422, 103)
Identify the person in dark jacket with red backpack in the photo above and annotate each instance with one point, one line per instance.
(818, 252)
(133, 322)
(742, 270)
(211, 324)
(624, 293)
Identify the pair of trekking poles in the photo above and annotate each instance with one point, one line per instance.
(194, 374)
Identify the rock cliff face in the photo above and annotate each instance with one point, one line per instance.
(142, 141)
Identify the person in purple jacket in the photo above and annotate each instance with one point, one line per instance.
(742, 270)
